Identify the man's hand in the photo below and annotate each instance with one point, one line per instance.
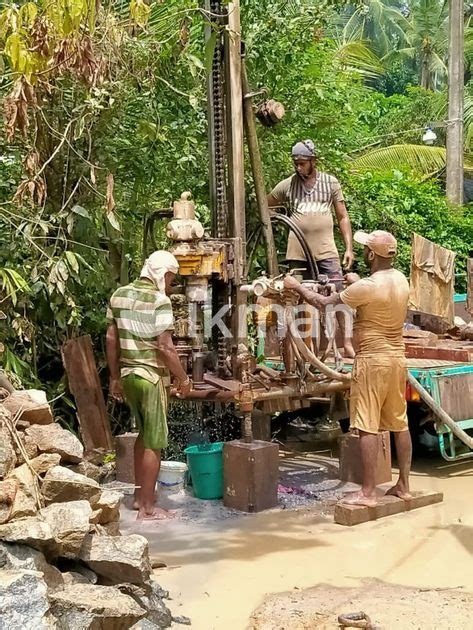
(351, 278)
(291, 283)
(348, 259)
(184, 388)
(116, 389)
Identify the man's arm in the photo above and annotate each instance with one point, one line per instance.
(309, 296)
(344, 224)
(170, 358)
(273, 204)
(112, 349)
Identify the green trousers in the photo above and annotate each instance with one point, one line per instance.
(149, 405)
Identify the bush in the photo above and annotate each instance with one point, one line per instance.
(403, 205)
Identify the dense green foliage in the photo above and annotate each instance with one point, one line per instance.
(119, 130)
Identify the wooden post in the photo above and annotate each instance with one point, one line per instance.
(258, 179)
(84, 383)
(236, 180)
(469, 285)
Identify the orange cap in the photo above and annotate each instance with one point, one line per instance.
(381, 243)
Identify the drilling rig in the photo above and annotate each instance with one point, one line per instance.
(214, 270)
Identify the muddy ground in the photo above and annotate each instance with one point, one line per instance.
(389, 606)
(293, 567)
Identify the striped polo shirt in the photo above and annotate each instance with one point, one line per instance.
(141, 314)
(312, 211)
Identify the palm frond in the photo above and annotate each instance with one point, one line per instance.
(421, 160)
(357, 57)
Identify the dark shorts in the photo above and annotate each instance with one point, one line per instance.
(329, 266)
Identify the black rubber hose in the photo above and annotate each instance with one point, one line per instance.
(288, 222)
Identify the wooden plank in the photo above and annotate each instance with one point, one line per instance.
(230, 385)
(455, 397)
(84, 383)
(387, 506)
(439, 353)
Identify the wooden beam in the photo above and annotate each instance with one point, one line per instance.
(258, 178)
(236, 178)
(84, 383)
(387, 506)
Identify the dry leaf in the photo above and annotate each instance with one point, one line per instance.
(31, 163)
(110, 201)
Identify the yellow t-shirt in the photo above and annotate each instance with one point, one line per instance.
(311, 209)
(381, 307)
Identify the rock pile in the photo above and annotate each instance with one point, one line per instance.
(63, 562)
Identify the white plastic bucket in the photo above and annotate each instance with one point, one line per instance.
(171, 477)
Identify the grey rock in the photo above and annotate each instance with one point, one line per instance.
(61, 485)
(88, 469)
(108, 473)
(71, 577)
(52, 438)
(44, 462)
(32, 531)
(89, 607)
(117, 559)
(22, 557)
(23, 600)
(25, 503)
(8, 490)
(7, 452)
(29, 446)
(158, 612)
(109, 529)
(150, 596)
(145, 624)
(76, 567)
(181, 619)
(57, 530)
(158, 590)
(69, 523)
(30, 405)
(109, 506)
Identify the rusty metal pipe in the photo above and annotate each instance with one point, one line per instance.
(310, 356)
(313, 389)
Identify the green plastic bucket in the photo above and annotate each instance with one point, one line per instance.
(205, 463)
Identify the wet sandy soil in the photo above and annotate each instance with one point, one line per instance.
(223, 568)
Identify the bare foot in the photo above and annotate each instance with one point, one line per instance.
(358, 498)
(399, 491)
(155, 514)
(136, 502)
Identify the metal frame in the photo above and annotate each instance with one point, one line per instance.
(429, 378)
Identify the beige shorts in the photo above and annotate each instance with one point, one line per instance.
(377, 394)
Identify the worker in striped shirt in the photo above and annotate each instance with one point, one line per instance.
(141, 357)
(311, 197)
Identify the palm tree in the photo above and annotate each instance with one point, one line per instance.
(428, 40)
(381, 23)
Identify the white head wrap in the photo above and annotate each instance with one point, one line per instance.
(157, 265)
